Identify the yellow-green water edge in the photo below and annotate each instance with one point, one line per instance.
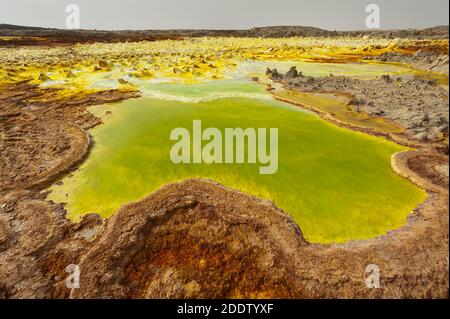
(338, 106)
(337, 184)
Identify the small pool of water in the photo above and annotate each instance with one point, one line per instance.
(363, 70)
(337, 184)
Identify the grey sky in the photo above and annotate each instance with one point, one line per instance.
(225, 14)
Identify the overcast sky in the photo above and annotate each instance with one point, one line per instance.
(225, 14)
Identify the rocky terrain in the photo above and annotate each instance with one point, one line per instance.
(420, 105)
(48, 36)
(440, 32)
(196, 238)
(43, 134)
(422, 60)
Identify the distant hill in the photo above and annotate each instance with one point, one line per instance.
(301, 31)
(54, 36)
(4, 26)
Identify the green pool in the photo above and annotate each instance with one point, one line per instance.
(336, 184)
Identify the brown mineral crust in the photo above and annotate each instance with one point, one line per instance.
(198, 239)
(193, 239)
(41, 243)
(43, 134)
(423, 168)
(34, 226)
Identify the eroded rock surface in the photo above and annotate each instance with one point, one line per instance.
(420, 105)
(199, 239)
